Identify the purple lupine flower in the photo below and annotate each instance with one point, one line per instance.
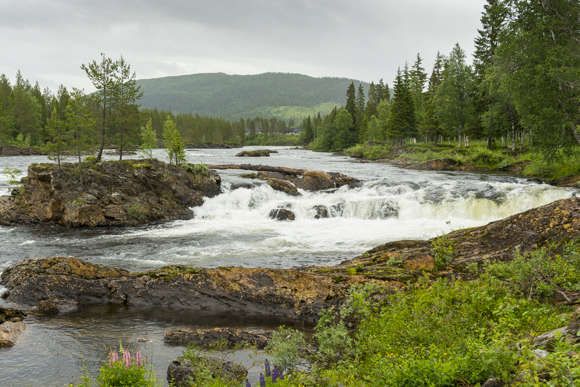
(126, 357)
(138, 359)
(248, 383)
(262, 380)
(113, 357)
(267, 368)
(275, 374)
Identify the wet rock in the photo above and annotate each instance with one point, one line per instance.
(11, 326)
(291, 295)
(492, 194)
(209, 337)
(568, 181)
(265, 175)
(256, 153)
(208, 145)
(283, 186)
(182, 373)
(111, 193)
(321, 212)
(282, 214)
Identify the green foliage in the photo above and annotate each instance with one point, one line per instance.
(148, 140)
(370, 152)
(173, 143)
(135, 211)
(196, 169)
(122, 369)
(560, 165)
(207, 365)
(443, 250)
(541, 273)
(287, 346)
(334, 341)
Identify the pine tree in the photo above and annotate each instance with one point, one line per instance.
(102, 76)
(430, 126)
(80, 123)
(149, 140)
(402, 116)
(60, 139)
(351, 100)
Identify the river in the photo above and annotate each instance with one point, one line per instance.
(234, 229)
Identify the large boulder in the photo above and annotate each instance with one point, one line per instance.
(256, 153)
(111, 193)
(283, 186)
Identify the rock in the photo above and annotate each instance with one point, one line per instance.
(11, 326)
(517, 167)
(111, 193)
(282, 214)
(256, 153)
(568, 181)
(284, 186)
(12, 150)
(208, 337)
(493, 382)
(265, 175)
(288, 295)
(208, 145)
(182, 373)
(436, 165)
(321, 212)
(10, 332)
(116, 152)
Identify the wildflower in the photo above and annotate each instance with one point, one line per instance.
(113, 357)
(138, 359)
(275, 375)
(126, 357)
(267, 368)
(281, 375)
(262, 380)
(248, 383)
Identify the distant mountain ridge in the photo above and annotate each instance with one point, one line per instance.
(232, 97)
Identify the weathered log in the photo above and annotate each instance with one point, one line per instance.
(264, 168)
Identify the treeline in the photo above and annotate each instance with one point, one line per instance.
(523, 85)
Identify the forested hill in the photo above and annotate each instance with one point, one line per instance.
(285, 96)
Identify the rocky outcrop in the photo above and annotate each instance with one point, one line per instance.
(277, 293)
(11, 326)
(12, 150)
(300, 178)
(256, 153)
(568, 181)
(111, 193)
(233, 338)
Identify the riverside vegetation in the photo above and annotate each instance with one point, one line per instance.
(434, 332)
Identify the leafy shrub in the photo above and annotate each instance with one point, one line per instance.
(443, 250)
(287, 346)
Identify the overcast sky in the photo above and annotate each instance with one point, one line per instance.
(48, 40)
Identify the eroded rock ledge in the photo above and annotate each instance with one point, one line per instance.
(66, 282)
(111, 193)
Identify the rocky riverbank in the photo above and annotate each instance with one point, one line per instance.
(110, 193)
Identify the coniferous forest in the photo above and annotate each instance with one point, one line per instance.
(520, 92)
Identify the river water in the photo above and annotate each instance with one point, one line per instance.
(234, 229)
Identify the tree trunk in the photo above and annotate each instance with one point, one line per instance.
(489, 143)
(575, 133)
(522, 141)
